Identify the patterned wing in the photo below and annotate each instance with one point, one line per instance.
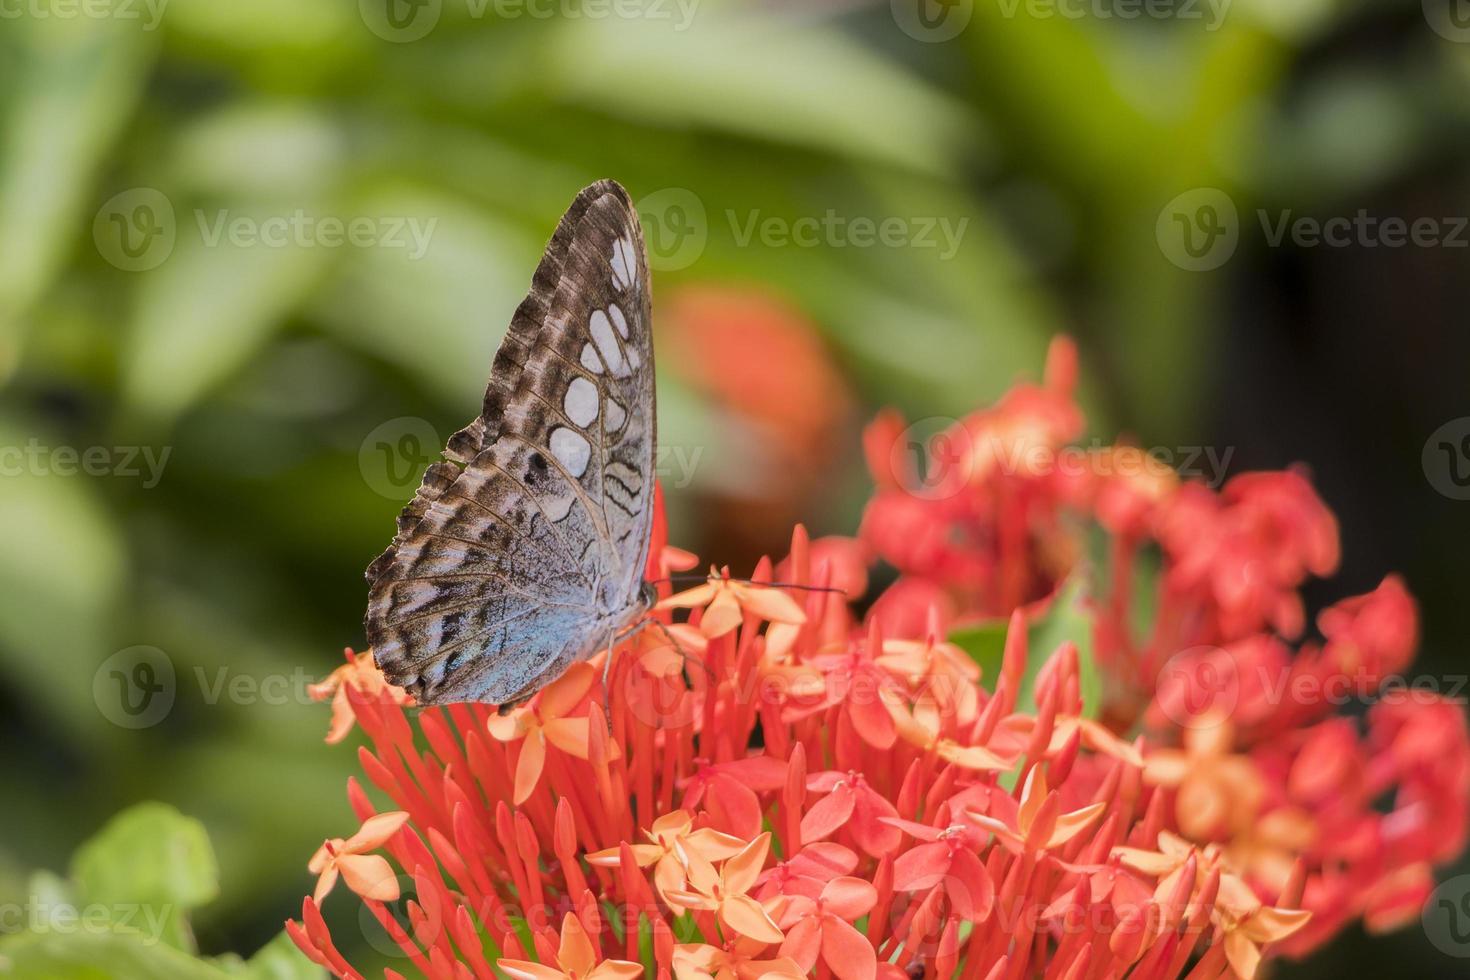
(523, 549)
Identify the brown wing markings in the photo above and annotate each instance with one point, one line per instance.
(550, 524)
(441, 576)
(576, 485)
(564, 552)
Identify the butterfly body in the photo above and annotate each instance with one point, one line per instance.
(523, 550)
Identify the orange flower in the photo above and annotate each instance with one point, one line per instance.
(576, 959)
(673, 841)
(369, 875)
(362, 673)
(938, 668)
(724, 892)
(736, 961)
(726, 602)
(824, 927)
(1218, 791)
(1038, 825)
(1248, 924)
(922, 729)
(542, 721)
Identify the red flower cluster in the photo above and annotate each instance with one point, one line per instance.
(771, 786)
(1249, 747)
(786, 793)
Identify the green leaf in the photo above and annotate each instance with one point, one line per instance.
(149, 866)
(279, 959)
(87, 955)
(60, 576)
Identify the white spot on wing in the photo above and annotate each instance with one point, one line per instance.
(607, 344)
(624, 264)
(571, 450)
(590, 360)
(615, 415)
(580, 402)
(618, 320)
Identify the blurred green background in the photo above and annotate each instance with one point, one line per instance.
(148, 150)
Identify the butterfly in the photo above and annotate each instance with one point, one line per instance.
(523, 550)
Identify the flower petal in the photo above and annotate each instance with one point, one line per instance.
(528, 767)
(567, 691)
(849, 898)
(847, 951)
(375, 831)
(369, 875)
(746, 916)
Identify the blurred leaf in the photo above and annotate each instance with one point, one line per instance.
(97, 956)
(438, 306)
(769, 77)
(278, 959)
(206, 310)
(82, 77)
(152, 864)
(60, 576)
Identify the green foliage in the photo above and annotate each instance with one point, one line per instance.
(123, 914)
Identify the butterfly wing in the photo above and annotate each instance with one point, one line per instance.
(523, 549)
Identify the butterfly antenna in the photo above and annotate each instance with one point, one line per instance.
(750, 581)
